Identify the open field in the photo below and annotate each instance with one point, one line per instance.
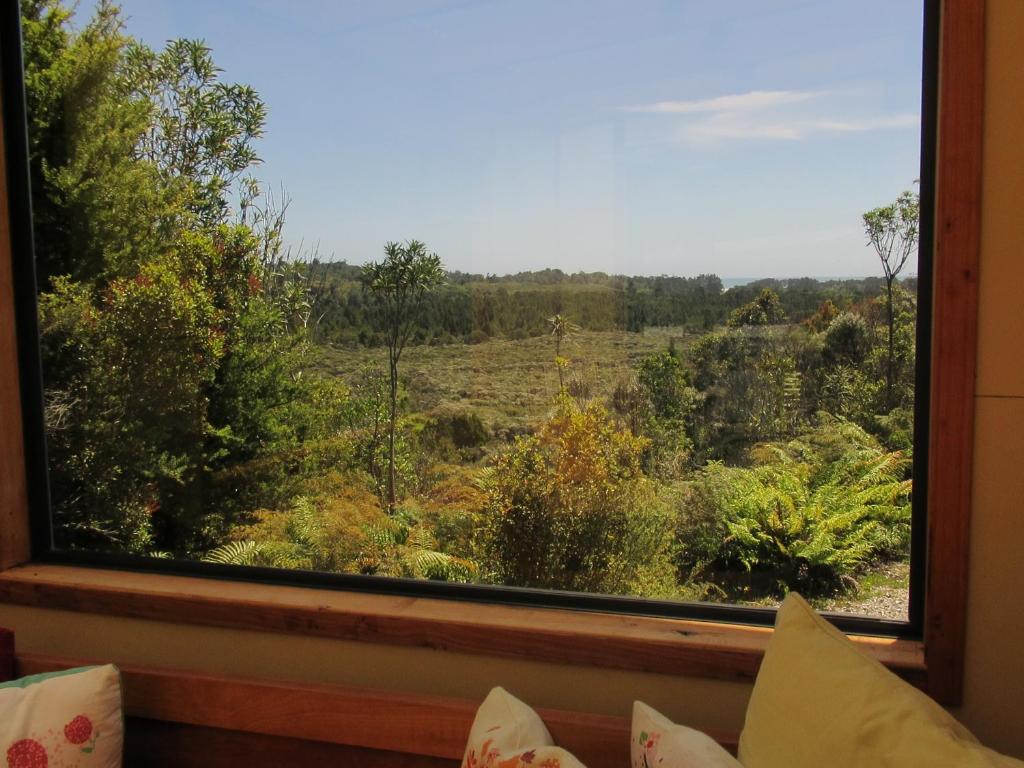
(508, 384)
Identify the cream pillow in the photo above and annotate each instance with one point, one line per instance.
(508, 734)
(819, 700)
(70, 718)
(658, 742)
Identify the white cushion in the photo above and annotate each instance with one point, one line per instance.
(509, 734)
(70, 718)
(657, 742)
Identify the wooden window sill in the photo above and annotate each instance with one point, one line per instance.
(646, 644)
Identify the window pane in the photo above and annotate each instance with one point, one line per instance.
(615, 298)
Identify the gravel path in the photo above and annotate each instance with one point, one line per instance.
(886, 600)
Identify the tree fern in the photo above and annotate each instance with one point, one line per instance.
(816, 510)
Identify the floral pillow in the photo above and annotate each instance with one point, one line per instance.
(508, 734)
(657, 742)
(62, 720)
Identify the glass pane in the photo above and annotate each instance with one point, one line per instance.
(617, 298)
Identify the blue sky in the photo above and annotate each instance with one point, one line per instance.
(743, 138)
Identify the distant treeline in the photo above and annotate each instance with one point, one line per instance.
(473, 308)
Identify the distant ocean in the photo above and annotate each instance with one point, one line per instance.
(732, 282)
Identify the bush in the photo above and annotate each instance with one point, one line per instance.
(847, 340)
(569, 508)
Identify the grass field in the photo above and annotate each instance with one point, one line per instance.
(508, 384)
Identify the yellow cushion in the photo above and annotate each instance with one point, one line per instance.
(821, 701)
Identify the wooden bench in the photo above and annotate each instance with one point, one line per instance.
(185, 718)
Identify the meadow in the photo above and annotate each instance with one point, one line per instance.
(510, 385)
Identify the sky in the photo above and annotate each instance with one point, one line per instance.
(739, 137)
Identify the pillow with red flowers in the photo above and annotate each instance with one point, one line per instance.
(509, 734)
(68, 718)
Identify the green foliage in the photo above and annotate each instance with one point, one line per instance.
(452, 435)
(766, 309)
(312, 533)
(170, 347)
(366, 416)
(892, 230)
(847, 340)
(753, 385)
(809, 515)
(127, 414)
(662, 413)
(570, 508)
(401, 547)
(98, 210)
(200, 131)
(476, 308)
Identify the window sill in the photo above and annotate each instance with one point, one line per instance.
(645, 644)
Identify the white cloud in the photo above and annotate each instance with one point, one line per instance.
(769, 116)
(737, 102)
(795, 129)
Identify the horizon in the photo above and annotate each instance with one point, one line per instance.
(654, 138)
(686, 276)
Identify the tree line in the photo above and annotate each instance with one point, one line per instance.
(471, 309)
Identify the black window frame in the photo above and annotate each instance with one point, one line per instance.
(31, 381)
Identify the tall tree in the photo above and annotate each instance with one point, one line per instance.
(400, 282)
(892, 230)
(561, 327)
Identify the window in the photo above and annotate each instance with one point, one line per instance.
(185, 453)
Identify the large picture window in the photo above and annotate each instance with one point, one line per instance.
(617, 306)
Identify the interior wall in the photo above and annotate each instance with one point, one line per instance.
(994, 691)
(994, 694)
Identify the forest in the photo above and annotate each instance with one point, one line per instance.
(213, 395)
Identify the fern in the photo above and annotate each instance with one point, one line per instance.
(235, 553)
(816, 510)
(406, 549)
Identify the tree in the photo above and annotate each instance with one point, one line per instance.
(98, 210)
(200, 131)
(561, 327)
(766, 309)
(892, 230)
(399, 283)
(172, 340)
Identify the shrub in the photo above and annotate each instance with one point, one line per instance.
(569, 508)
(847, 340)
(766, 309)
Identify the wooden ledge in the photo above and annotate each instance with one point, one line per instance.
(646, 644)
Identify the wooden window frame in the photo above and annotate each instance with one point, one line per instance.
(650, 644)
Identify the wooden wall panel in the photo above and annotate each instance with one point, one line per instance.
(954, 342)
(14, 533)
(156, 744)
